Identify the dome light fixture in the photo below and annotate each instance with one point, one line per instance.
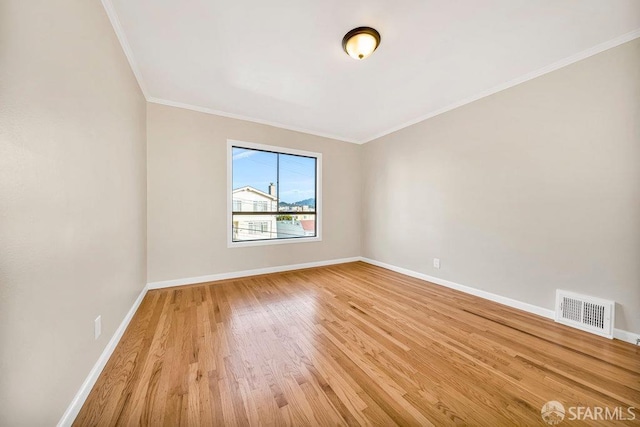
(360, 42)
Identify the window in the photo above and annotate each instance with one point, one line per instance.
(274, 195)
(260, 206)
(257, 227)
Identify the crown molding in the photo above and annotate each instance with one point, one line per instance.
(115, 22)
(248, 119)
(526, 77)
(124, 43)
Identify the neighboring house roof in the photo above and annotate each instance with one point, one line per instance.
(290, 229)
(255, 190)
(308, 224)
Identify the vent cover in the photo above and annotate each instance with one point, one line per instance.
(590, 314)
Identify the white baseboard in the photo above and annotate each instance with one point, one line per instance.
(76, 404)
(78, 400)
(620, 334)
(627, 336)
(246, 273)
(549, 314)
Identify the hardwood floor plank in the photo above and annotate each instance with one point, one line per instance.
(350, 344)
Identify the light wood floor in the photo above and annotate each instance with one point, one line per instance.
(351, 344)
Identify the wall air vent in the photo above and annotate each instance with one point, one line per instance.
(590, 314)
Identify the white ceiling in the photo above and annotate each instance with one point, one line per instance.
(281, 62)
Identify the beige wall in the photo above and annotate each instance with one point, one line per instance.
(529, 190)
(187, 191)
(72, 200)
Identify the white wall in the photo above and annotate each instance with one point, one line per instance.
(72, 200)
(529, 190)
(187, 186)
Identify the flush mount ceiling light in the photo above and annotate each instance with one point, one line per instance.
(360, 42)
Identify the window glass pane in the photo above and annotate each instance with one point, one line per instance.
(255, 174)
(254, 227)
(261, 210)
(266, 227)
(297, 183)
(296, 225)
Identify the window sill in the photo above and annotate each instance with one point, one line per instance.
(249, 243)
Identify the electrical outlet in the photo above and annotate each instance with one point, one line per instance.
(97, 327)
(436, 262)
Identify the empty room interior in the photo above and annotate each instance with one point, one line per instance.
(348, 212)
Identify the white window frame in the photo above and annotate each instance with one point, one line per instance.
(284, 150)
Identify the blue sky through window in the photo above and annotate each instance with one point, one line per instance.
(259, 168)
